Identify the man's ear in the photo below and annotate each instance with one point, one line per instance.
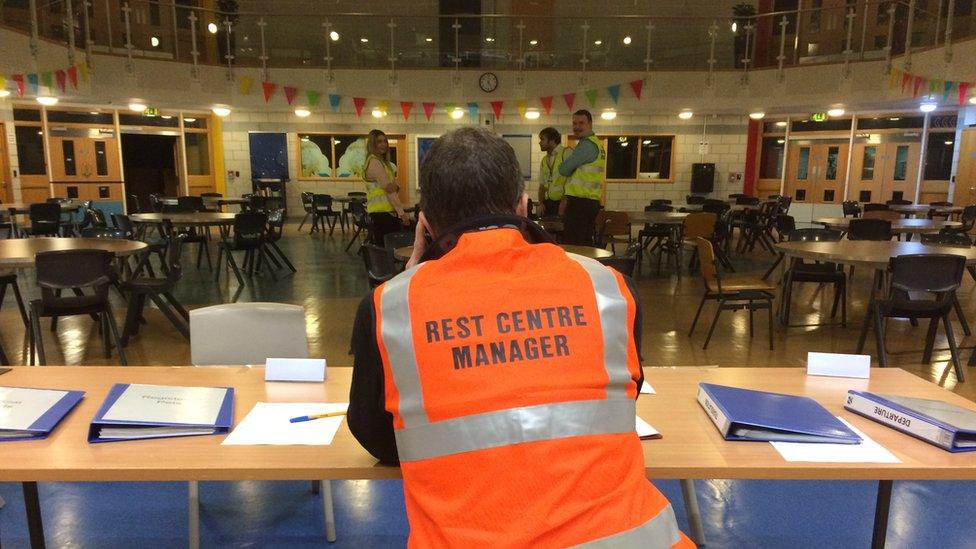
(522, 208)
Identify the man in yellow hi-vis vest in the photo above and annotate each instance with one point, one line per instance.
(551, 184)
(584, 186)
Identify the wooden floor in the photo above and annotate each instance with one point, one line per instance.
(330, 283)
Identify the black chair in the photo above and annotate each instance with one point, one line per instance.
(45, 219)
(398, 239)
(217, 203)
(307, 206)
(819, 273)
(68, 225)
(133, 203)
(160, 291)
(276, 229)
(190, 204)
(380, 263)
(694, 199)
(73, 270)
(192, 235)
(871, 207)
(785, 224)
(851, 208)
(10, 279)
(359, 196)
(968, 220)
(660, 201)
(735, 196)
(322, 210)
(156, 202)
(249, 236)
(156, 246)
(359, 221)
(934, 276)
(869, 229)
(747, 200)
(623, 263)
(783, 204)
(962, 241)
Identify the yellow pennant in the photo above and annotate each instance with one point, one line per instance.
(245, 85)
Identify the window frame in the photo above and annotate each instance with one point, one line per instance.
(605, 139)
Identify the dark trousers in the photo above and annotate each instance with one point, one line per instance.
(579, 222)
(382, 224)
(552, 208)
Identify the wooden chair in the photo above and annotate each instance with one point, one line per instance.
(697, 225)
(613, 228)
(732, 293)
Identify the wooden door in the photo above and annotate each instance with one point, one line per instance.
(866, 172)
(799, 174)
(830, 172)
(965, 192)
(900, 177)
(67, 158)
(103, 159)
(6, 189)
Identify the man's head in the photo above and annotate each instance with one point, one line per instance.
(467, 173)
(549, 138)
(582, 123)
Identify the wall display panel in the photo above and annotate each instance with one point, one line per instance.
(522, 144)
(269, 155)
(350, 154)
(315, 152)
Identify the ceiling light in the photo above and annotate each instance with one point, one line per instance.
(489, 39)
(781, 124)
(532, 114)
(137, 107)
(428, 39)
(928, 106)
(598, 42)
(835, 112)
(895, 118)
(948, 142)
(166, 116)
(735, 26)
(302, 112)
(189, 120)
(364, 40)
(378, 113)
(92, 112)
(154, 41)
(457, 113)
(646, 142)
(221, 111)
(212, 27)
(758, 115)
(972, 100)
(608, 114)
(334, 36)
(47, 100)
(627, 40)
(4, 93)
(533, 42)
(781, 141)
(685, 114)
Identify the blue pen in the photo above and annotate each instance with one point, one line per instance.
(316, 416)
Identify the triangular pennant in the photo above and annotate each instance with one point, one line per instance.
(963, 88)
(19, 79)
(947, 90)
(359, 102)
(591, 96)
(60, 77)
(894, 77)
(570, 98)
(32, 82)
(521, 107)
(334, 100)
(448, 108)
(73, 76)
(405, 108)
(313, 97)
(919, 82)
(83, 70)
(473, 110)
(906, 81)
(496, 107)
(614, 92)
(269, 89)
(546, 103)
(3, 82)
(47, 79)
(290, 93)
(244, 85)
(428, 110)
(935, 86)
(637, 86)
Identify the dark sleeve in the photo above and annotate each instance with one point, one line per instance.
(368, 419)
(638, 324)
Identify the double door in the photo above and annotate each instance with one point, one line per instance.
(84, 159)
(815, 172)
(884, 171)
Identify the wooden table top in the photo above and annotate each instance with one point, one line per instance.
(20, 252)
(664, 218)
(868, 252)
(403, 253)
(923, 208)
(23, 207)
(897, 225)
(690, 448)
(185, 218)
(172, 200)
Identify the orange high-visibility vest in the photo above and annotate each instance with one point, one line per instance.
(510, 370)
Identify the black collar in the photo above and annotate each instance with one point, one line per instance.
(533, 233)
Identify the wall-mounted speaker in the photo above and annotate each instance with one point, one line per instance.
(702, 177)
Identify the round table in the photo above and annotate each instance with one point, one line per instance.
(909, 225)
(24, 208)
(200, 219)
(914, 209)
(875, 254)
(20, 252)
(208, 200)
(404, 253)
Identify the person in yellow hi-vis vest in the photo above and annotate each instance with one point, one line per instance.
(384, 212)
(584, 186)
(551, 184)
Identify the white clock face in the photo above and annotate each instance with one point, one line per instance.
(488, 82)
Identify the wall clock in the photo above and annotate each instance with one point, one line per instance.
(488, 82)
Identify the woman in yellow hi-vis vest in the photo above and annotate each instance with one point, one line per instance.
(384, 212)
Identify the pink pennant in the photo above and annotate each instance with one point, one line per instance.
(637, 86)
(60, 76)
(290, 93)
(496, 107)
(269, 89)
(428, 110)
(359, 102)
(19, 79)
(570, 98)
(405, 108)
(963, 88)
(919, 82)
(546, 103)
(73, 76)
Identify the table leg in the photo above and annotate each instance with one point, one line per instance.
(35, 526)
(694, 514)
(881, 514)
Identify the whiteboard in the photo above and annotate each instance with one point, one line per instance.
(522, 144)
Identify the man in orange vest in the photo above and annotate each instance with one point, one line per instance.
(502, 374)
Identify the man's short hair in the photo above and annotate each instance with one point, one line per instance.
(550, 133)
(467, 173)
(586, 113)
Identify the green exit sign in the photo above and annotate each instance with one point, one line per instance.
(818, 116)
(151, 111)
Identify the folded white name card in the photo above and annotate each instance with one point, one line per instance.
(294, 369)
(839, 365)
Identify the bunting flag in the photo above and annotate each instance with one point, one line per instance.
(269, 89)
(906, 81)
(405, 107)
(448, 108)
(919, 81)
(313, 97)
(83, 70)
(290, 93)
(947, 89)
(382, 106)
(73, 76)
(570, 98)
(934, 87)
(520, 104)
(32, 82)
(428, 110)
(3, 82)
(614, 92)
(894, 77)
(47, 79)
(637, 86)
(963, 88)
(591, 96)
(359, 102)
(19, 79)
(60, 77)
(546, 103)
(244, 85)
(496, 107)
(473, 110)
(334, 100)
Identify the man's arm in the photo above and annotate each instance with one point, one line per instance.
(367, 417)
(584, 153)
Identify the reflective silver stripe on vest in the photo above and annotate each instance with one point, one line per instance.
(398, 340)
(659, 532)
(514, 426)
(613, 323)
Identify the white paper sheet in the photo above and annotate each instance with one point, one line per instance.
(646, 389)
(21, 407)
(267, 423)
(867, 451)
(644, 429)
